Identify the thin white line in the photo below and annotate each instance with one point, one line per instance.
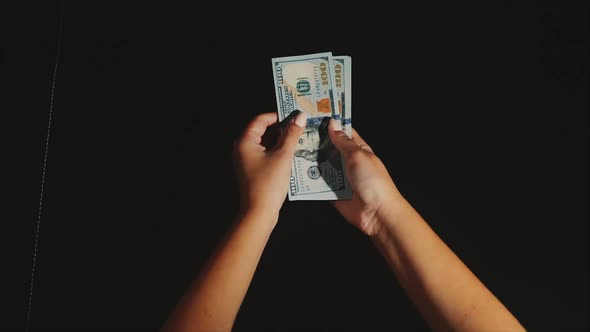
(44, 167)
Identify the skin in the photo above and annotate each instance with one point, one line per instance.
(445, 291)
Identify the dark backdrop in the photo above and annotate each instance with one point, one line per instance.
(478, 111)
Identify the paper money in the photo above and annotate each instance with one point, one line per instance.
(343, 87)
(307, 83)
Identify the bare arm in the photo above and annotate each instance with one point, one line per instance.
(446, 292)
(213, 301)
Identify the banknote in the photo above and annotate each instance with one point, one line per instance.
(306, 83)
(343, 88)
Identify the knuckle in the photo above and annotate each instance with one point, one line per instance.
(365, 147)
(240, 145)
(259, 117)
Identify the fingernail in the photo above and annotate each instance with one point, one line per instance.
(335, 124)
(301, 119)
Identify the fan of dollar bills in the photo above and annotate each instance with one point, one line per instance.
(319, 85)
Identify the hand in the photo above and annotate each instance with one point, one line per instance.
(264, 173)
(373, 189)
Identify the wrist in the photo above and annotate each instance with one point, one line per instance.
(259, 213)
(391, 213)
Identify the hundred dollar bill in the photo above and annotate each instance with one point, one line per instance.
(306, 83)
(343, 88)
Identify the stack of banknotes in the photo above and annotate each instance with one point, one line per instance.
(319, 85)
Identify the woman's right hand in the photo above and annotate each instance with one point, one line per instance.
(373, 189)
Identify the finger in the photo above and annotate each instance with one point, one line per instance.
(360, 141)
(256, 129)
(342, 142)
(288, 140)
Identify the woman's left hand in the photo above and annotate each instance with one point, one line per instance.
(264, 173)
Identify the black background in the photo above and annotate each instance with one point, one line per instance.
(479, 112)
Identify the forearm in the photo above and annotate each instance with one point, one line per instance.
(445, 291)
(215, 297)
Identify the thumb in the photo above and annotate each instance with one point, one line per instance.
(290, 137)
(342, 142)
